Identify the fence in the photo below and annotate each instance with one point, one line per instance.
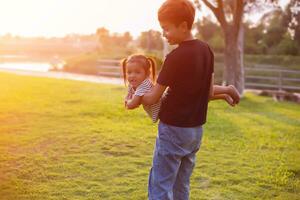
(256, 76)
(271, 77)
(109, 68)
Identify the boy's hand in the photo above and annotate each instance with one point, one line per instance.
(234, 94)
(229, 100)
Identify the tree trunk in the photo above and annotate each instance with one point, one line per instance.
(233, 73)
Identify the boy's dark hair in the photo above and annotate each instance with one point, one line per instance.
(177, 11)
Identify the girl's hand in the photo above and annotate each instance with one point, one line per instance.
(126, 99)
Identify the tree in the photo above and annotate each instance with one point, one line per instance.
(229, 14)
(151, 40)
(206, 28)
(292, 19)
(274, 29)
(108, 42)
(103, 37)
(209, 31)
(253, 43)
(287, 46)
(125, 39)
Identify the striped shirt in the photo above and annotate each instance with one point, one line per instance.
(141, 90)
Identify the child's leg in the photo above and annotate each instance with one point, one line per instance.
(164, 170)
(182, 184)
(172, 144)
(230, 90)
(181, 188)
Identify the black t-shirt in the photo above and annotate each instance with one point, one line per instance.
(187, 72)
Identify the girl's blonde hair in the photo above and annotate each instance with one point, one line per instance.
(148, 64)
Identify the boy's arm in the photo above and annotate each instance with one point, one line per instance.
(133, 103)
(154, 95)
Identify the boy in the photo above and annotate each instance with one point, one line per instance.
(188, 73)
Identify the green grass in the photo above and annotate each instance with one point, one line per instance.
(64, 139)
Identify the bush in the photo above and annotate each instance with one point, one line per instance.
(84, 64)
(283, 61)
(287, 46)
(217, 43)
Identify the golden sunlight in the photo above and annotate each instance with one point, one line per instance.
(58, 18)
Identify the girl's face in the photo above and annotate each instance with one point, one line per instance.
(135, 74)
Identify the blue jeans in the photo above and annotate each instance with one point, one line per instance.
(173, 162)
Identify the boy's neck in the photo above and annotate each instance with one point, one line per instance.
(188, 37)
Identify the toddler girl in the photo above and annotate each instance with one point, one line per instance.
(139, 73)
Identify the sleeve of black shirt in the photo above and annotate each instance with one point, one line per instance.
(166, 75)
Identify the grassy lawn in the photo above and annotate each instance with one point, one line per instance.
(64, 139)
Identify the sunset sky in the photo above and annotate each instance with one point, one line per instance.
(61, 17)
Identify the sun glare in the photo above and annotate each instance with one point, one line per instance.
(57, 18)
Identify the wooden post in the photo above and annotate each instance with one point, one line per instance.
(280, 80)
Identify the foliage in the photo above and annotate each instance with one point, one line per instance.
(274, 29)
(292, 19)
(211, 33)
(287, 46)
(269, 36)
(151, 40)
(88, 63)
(276, 61)
(107, 41)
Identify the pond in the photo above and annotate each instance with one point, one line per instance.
(27, 66)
